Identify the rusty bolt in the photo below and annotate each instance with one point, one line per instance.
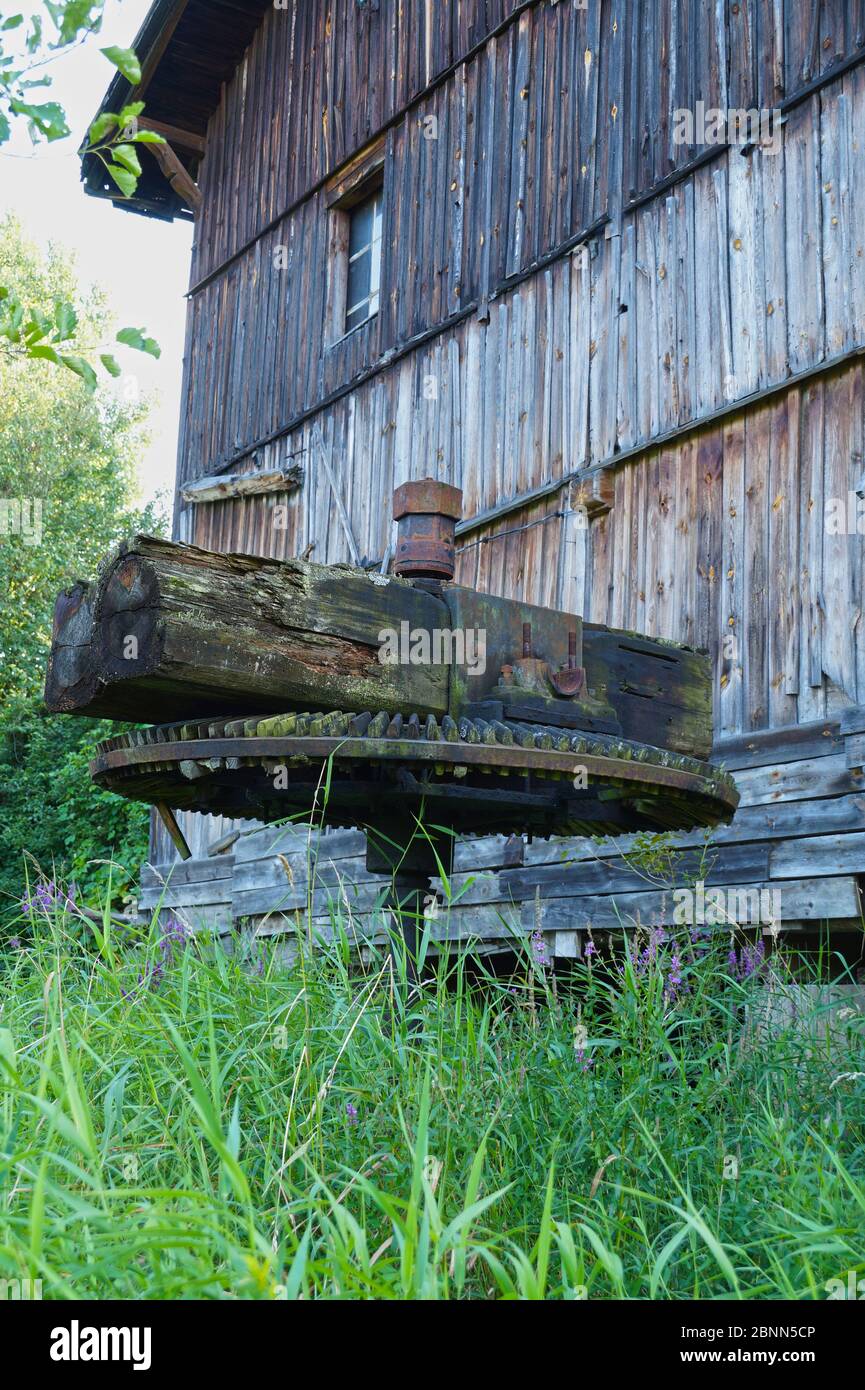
(429, 497)
(426, 512)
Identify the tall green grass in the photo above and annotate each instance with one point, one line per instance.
(177, 1122)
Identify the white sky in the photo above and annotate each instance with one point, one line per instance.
(141, 263)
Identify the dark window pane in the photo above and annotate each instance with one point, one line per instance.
(356, 316)
(360, 233)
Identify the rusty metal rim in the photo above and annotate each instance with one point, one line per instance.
(413, 751)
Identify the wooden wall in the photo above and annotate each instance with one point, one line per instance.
(567, 286)
(528, 156)
(324, 76)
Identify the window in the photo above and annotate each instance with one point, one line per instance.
(364, 261)
(355, 201)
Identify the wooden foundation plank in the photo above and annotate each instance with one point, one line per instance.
(767, 747)
(821, 855)
(801, 780)
(812, 900)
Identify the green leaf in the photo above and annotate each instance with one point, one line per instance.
(126, 182)
(44, 351)
(125, 60)
(608, 1258)
(664, 1258)
(125, 155)
(101, 126)
(81, 368)
(32, 334)
(111, 365)
(147, 137)
(74, 16)
(4, 129)
(65, 320)
(48, 119)
(34, 38)
(130, 113)
(12, 22)
(136, 338)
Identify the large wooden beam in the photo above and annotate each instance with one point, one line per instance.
(170, 632)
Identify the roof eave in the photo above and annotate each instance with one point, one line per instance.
(175, 36)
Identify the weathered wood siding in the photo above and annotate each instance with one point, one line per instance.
(528, 156)
(567, 291)
(322, 77)
(719, 533)
(743, 275)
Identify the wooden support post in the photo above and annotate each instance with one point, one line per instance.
(169, 820)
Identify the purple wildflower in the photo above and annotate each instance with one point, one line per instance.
(590, 948)
(674, 978)
(48, 896)
(539, 950)
(351, 1112)
(750, 962)
(174, 940)
(175, 937)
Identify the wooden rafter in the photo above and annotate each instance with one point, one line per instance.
(180, 139)
(177, 175)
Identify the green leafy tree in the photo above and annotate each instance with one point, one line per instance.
(67, 474)
(48, 330)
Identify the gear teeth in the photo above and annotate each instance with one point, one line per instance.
(330, 725)
(278, 726)
(378, 726)
(660, 805)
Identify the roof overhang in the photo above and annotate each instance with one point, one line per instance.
(187, 49)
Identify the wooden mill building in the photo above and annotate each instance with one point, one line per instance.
(600, 263)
